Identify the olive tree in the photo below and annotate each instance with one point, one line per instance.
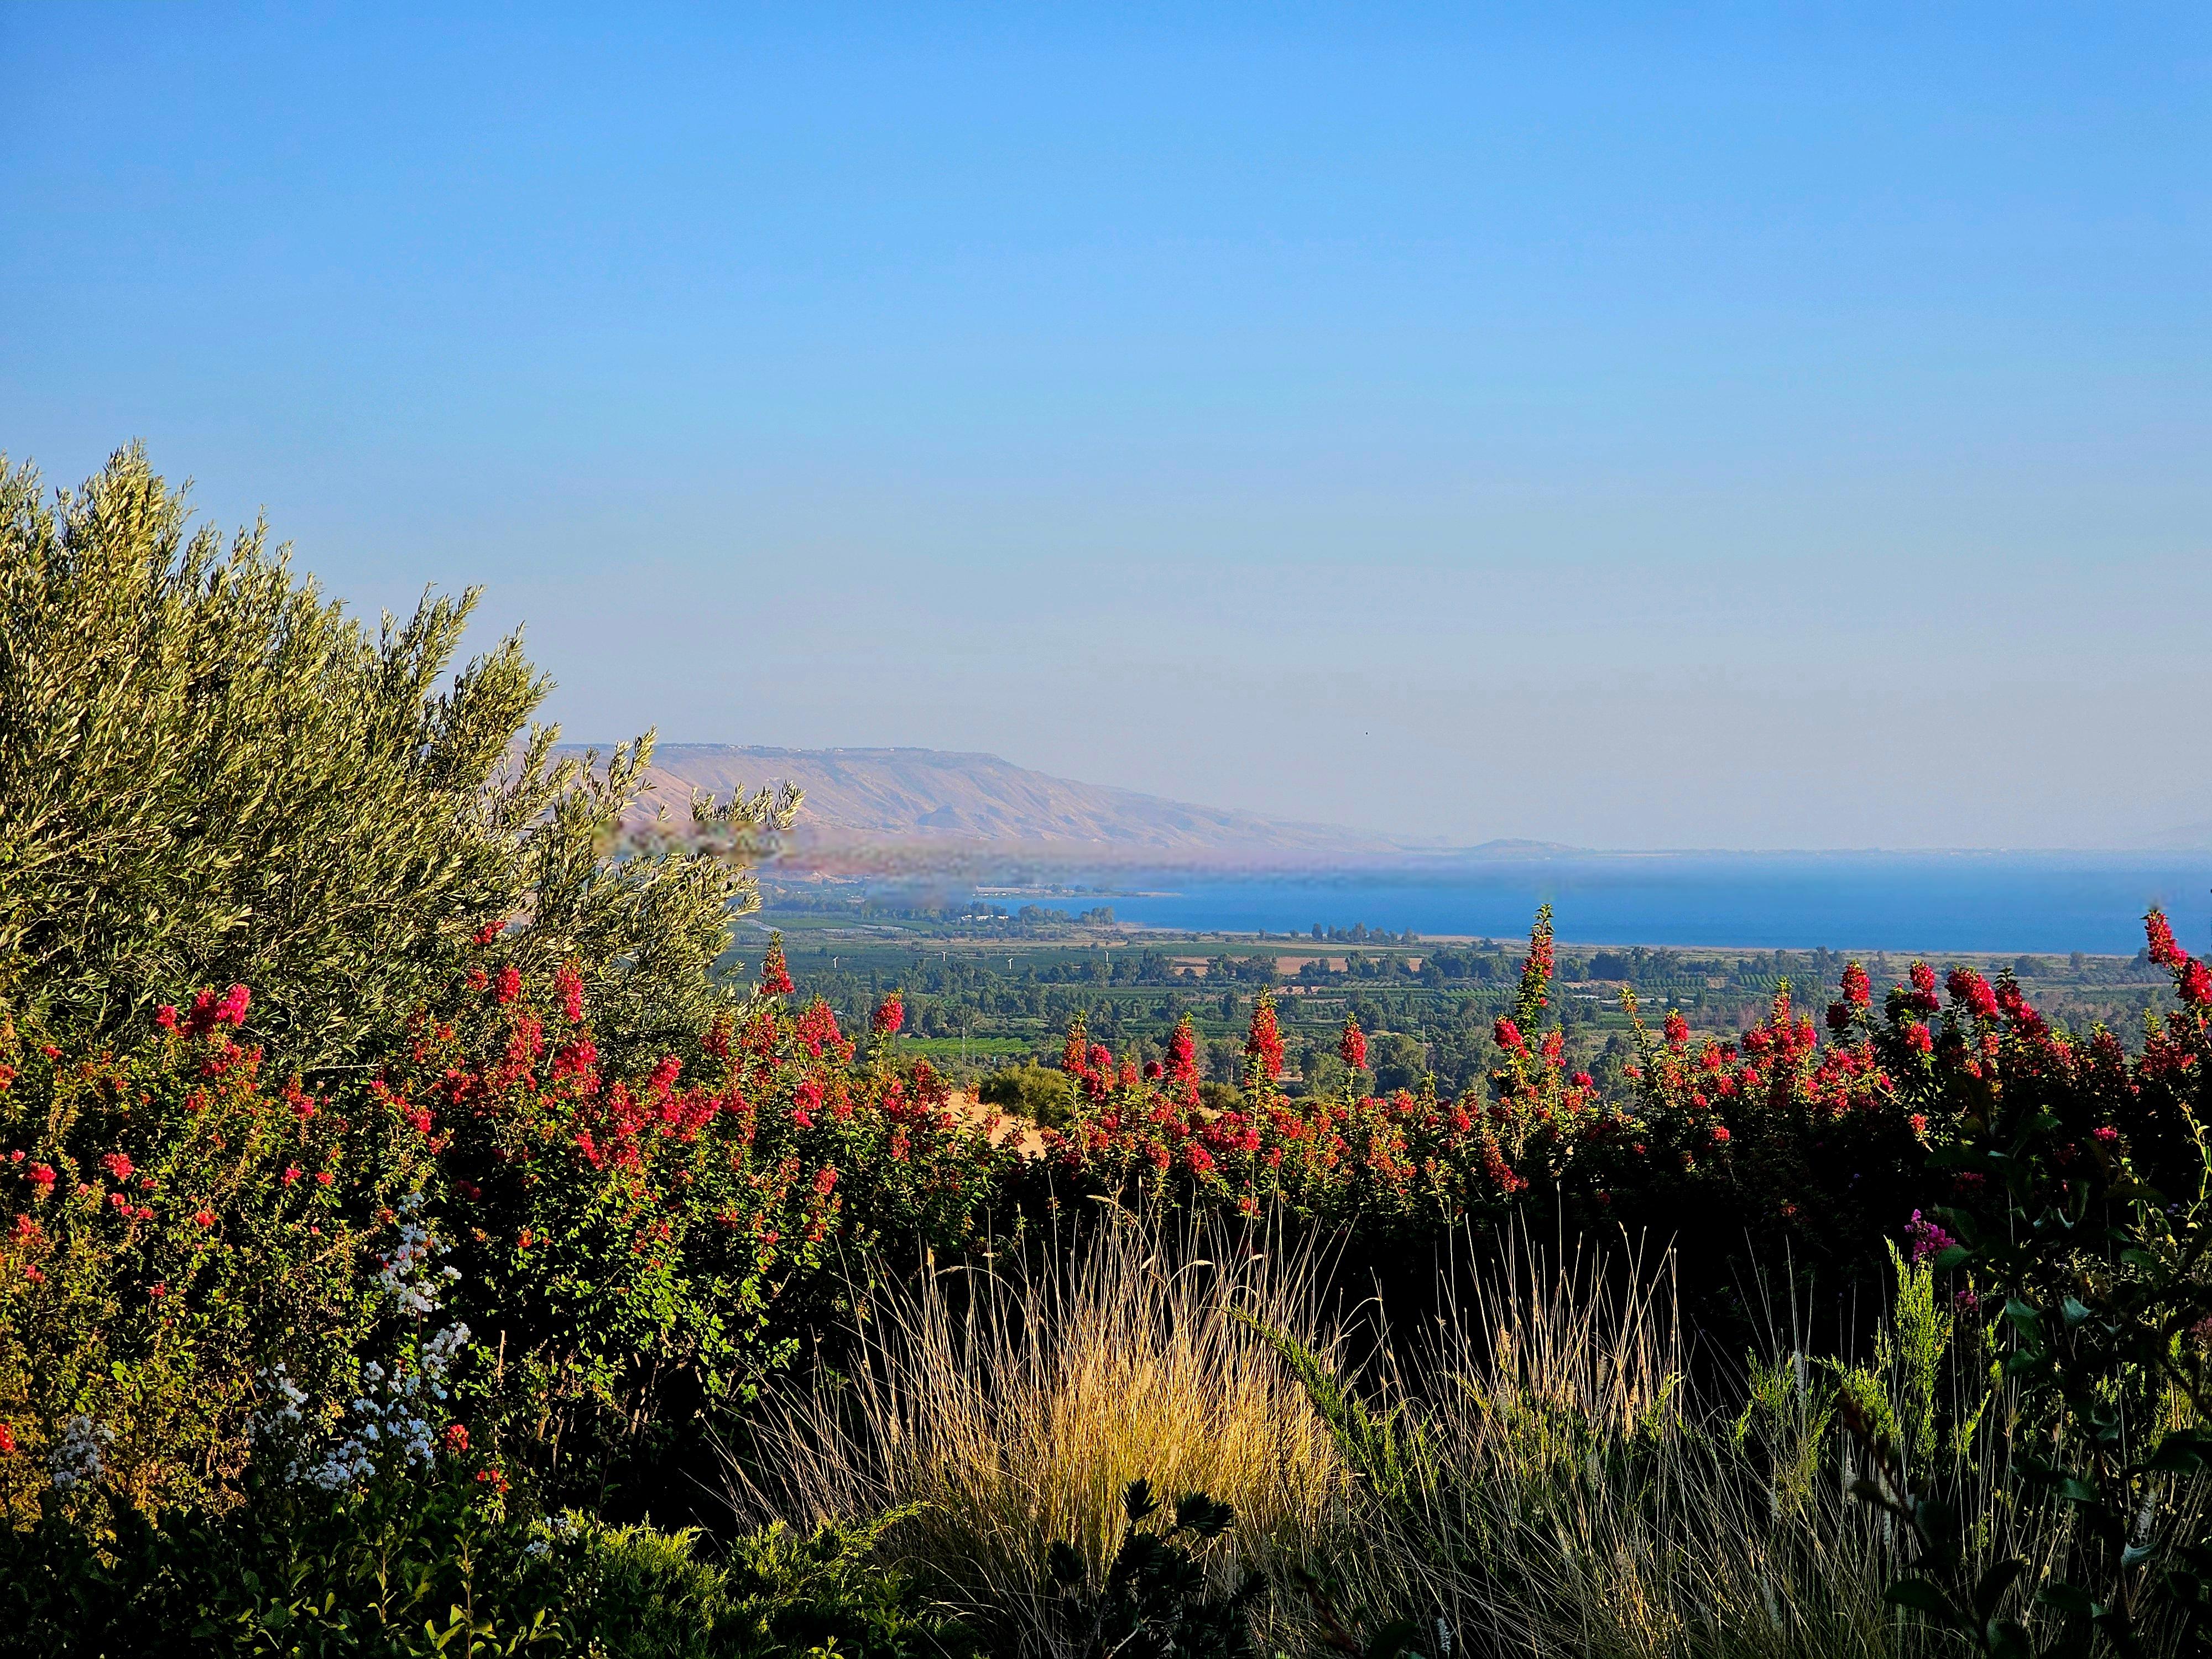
(209, 773)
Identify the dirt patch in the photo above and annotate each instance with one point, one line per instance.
(1007, 1129)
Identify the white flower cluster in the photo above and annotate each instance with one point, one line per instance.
(562, 1528)
(286, 1411)
(406, 1272)
(391, 1418)
(79, 1458)
(394, 1419)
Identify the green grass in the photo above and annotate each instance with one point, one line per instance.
(973, 1048)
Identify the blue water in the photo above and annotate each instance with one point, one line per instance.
(2028, 903)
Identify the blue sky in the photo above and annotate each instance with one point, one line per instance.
(1632, 426)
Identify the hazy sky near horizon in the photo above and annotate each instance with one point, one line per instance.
(1627, 426)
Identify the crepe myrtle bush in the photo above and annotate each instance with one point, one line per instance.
(1408, 1162)
(1141, 1132)
(176, 1225)
(637, 1250)
(1831, 1140)
(439, 1564)
(1824, 1137)
(191, 1252)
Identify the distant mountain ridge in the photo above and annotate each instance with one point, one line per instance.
(920, 798)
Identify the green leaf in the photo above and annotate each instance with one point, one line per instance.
(2184, 1451)
(1203, 1515)
(1936, 1519)
(1995, 1582)
(1065, 1563)
(2071, 1598)
(1922, 1597)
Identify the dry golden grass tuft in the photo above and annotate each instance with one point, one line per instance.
(1013, 1403)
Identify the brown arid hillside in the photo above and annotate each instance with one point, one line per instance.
(867, 803)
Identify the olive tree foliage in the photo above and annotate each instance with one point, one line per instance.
(209, 773)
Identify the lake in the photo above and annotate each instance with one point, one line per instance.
(2028, 903)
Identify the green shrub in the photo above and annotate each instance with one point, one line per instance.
(637, 1593)
(1221, 1096)
(404, 1568)
(1037, 1092)
(398, 1568)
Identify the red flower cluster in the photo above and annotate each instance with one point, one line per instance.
(1091, 1063)
(890, 1015)
(1183, 1054)
(774, 975)
(1537, 967)
(208, 1012)
(2159, 941)
(1859, 989)
(568, 985)
(805, 1101)
(1974, 993)
(2192, 981)
(1921, 999)
(817, 1029)
(1263, 1043)
(1351, 1047)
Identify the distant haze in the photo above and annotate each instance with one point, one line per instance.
(926, 802)
(1623, 427)
(925, 798)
